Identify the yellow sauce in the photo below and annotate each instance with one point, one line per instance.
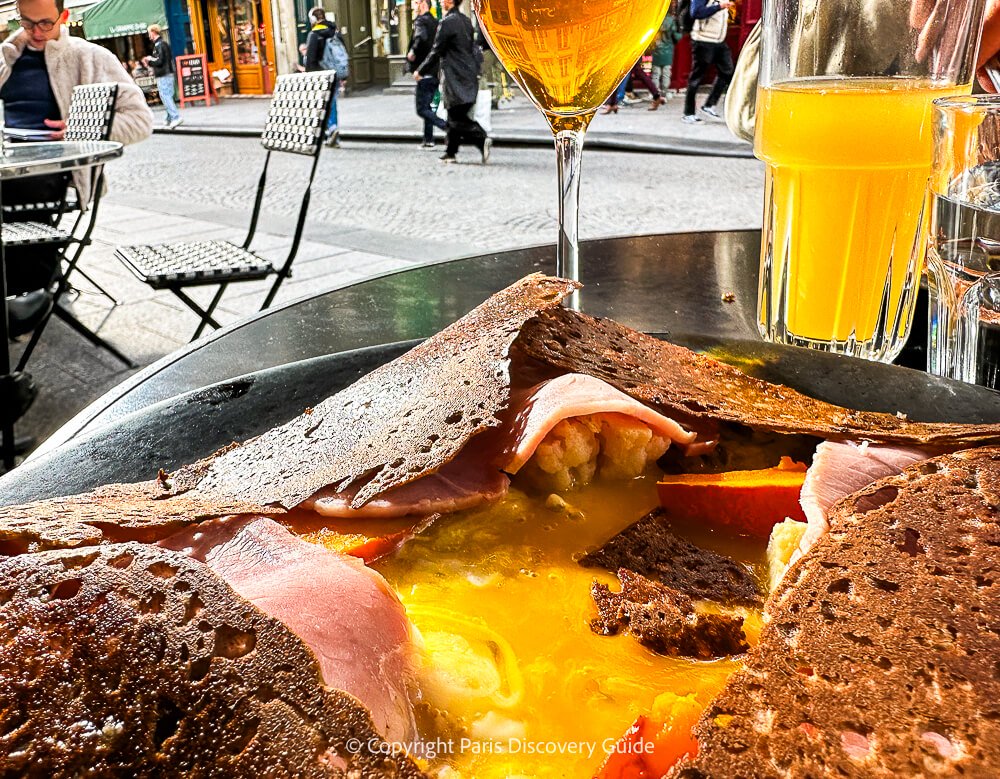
(522, 686)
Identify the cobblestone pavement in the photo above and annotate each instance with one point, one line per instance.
(376, 208)
(374, 194)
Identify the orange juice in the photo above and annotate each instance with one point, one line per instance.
(847, 168)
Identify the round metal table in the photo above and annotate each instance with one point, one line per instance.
(23, 160)
(674, 283)
(697, 289)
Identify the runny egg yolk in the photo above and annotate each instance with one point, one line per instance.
(513, 682)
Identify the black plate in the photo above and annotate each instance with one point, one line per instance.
(193, 425)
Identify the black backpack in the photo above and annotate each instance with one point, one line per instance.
(684, 19)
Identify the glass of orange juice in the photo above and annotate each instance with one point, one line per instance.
(844, 128)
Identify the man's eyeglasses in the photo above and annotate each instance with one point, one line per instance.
(45, 25)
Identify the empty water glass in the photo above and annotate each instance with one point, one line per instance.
(963, 253)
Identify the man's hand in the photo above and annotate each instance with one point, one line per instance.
(58, 127)
(409, 56)
(941, 41)
(417, 77)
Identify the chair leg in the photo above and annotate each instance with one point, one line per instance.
(90, 335)
(209, 311)
(7, 445)
(274, 290)
(98, 287)
(205, 314)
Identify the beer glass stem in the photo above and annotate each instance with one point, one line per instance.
(569, 149)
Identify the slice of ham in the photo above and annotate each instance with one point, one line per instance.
(477, 475)
(345, 612)
(841, 468)
(576, 395)
(467, 481)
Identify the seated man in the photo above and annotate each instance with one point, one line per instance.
(39, 66)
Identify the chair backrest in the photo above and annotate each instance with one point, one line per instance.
(91, 112)
(299, 110)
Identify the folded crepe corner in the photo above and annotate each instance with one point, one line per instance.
(879, 653)
(121, 657)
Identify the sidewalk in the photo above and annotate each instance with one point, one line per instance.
(374, 116)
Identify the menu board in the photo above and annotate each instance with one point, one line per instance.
(192, 71)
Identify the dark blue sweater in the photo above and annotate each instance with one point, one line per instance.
(700, 9)
(27, 95)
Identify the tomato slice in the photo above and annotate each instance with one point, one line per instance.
(750, 502)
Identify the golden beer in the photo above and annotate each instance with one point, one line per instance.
(569, 55)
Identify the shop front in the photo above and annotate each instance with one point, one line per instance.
(237, 36)
(120, 25)
(354, 18)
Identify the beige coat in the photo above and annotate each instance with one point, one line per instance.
(73, 61)
(711, 29)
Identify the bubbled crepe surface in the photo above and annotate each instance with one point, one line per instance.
(886, 631)
(129, 660)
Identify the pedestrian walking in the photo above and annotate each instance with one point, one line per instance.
(162, 63)
(637, 75)
(708, 48)
(663, 54)
(324, 30)
(424, 30)
(460, 59)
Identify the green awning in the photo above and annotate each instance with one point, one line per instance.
(118, 18)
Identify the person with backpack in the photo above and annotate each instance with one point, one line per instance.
(424, 31)
(708, 48)
(460, 60)
(326, 50)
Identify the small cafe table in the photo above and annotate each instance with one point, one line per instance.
(701, 282)
(23, 160)
(697, 289)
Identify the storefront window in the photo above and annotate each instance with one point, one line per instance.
(245, 29)
(221, 23)
(207, 26)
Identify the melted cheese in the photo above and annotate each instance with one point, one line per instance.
(510, 663)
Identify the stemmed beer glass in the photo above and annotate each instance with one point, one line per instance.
(568, 56)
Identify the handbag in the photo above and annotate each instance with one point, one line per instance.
(482, 112)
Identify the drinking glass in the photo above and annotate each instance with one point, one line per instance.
(963, 250)
(569, 56)
(844, 128)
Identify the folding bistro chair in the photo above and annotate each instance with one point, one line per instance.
(91, 115)
(295, 123)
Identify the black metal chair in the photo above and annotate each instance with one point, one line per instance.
(91, 115)
(295, 124)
